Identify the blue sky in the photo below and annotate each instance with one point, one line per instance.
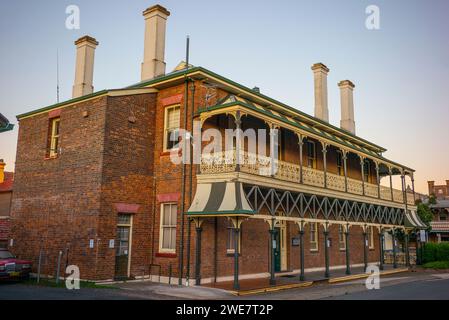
(400, 71)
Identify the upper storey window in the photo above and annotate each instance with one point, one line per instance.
(311, 154)
(53, 140)
(366, 170)
(340, 169)
(171, 127)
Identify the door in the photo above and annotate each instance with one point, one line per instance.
(122, 250)
(277, 250)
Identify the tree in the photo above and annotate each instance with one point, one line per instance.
(425, 213)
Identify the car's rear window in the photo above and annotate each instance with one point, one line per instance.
(5, 255)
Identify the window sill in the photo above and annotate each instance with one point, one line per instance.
(51, 157)
(168, 152)
(166, 255)
(231, 254)
(314, 250)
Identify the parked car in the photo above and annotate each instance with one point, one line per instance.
(13, 268)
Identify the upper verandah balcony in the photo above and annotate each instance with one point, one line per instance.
(305, 157)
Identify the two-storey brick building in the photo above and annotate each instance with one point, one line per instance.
(96, 181)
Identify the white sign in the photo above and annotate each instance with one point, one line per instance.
(422, 235)
(91, 243)
(111, 243)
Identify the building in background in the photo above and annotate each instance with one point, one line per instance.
(441, 192)
(95, 180)
(4, 124)
(6, 184)
(440, 223)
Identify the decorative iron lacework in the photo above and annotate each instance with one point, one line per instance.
(300, 205)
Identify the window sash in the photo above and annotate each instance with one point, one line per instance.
(311, 154)
(167, 241)
(230, 248)
(314, 236)
(54, 137)
(171, 126)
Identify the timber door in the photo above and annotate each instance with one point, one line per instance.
(123, 247)
(277, 251)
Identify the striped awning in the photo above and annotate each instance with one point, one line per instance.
(413, 221)
(220, 199)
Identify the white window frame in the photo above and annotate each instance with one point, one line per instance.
(53, 152)
(162, 226)
(166, 129)
(314, 245)
(229, 230)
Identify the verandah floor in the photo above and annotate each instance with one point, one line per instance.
(292, 280)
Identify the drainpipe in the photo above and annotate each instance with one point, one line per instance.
(189, 222)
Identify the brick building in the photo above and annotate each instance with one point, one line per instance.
(95, 179)
(6, 183)
(441, 192)
(440, 224)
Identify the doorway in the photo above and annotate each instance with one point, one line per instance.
(280, 250)
(123, 247)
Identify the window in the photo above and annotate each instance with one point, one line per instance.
(340, 169)
(123, 234)
(366, 170)
(314, 236)
(311, 154)
(443, 216)
(54, 137)
(370, 236)
(231, 239)
(167, 239)
(171, 128)
(341, 237)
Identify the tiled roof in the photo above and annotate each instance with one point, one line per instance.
(7, 184)
(440, 226)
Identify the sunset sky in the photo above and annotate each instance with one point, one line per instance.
(401, 71)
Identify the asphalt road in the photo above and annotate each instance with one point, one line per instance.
(402, 286)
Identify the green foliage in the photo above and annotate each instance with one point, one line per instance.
(432, 199)
(437, 265)
(435, 252)
(424, 213)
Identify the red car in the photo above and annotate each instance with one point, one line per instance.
(12, 268)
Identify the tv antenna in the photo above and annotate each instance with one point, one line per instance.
(57, 75)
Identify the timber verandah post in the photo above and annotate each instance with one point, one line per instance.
(345, 168)
(395, 263)
(381, 249)
(324, 150)
(272, 232)
(377, 178)
(362, 170)
(236, 223)
(365, 247)
(199, 229)
(326, 249)
(301, 144)
(301, 251)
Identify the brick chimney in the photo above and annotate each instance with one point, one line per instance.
(347, 105)
(320, 82)
(2, 170)
(431, 185)
(84, 69)
(153, 64)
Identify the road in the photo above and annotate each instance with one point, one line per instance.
(434, 286)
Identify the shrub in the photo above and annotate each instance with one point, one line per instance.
(437, 265)
(435, 252)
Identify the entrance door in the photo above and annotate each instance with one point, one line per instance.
(122, 251)
(277, 250)
(280, 252)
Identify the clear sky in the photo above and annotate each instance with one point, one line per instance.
(400, 71)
